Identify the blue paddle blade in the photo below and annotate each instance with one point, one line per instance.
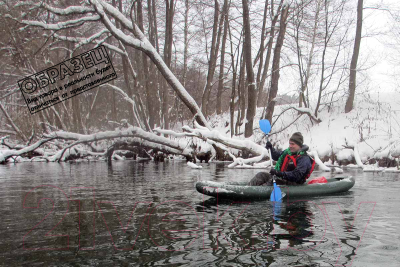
(276, 194)
(277, 206)
(265, 126)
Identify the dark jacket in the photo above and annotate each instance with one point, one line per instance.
(296, 174)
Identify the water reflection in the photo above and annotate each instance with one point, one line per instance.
(150, 214)
(295, 221)
(263, 226)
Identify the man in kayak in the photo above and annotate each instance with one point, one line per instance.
(293, 165)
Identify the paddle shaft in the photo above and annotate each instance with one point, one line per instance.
(279, 196)
(269, 153)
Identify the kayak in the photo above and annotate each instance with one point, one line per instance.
(240, 190)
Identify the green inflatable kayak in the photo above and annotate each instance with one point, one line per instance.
(240, 190)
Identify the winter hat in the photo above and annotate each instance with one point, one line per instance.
(297, 137)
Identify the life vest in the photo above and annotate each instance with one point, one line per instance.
(290, 163)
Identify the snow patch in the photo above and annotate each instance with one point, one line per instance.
(194, 166)
(345, 154)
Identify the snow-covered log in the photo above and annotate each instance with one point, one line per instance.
(6, 154)
(318, 161)
(149, 140)
(172, 133)
(216, 136)
(194, 166)
(117, 157)
(242, 162)
(128, 132)
(223, 142)
(357, 157)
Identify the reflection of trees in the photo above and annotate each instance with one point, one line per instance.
(255, 228)
(296, 219)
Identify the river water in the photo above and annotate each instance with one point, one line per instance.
(144, 213)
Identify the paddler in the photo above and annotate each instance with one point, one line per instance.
(293, 165)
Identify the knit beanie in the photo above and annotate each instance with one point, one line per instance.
(297, 138)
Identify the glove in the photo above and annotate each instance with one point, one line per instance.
(276, 173)
(268, 145)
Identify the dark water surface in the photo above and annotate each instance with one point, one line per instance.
(132, 213)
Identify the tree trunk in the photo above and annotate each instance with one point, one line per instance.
(260, 54)
(354, 59)
(251, 86)
(234, 78)
(150, 92)
(222, 62)
(275, 63)
(76, 106)
(185, 43)
(269, 52)
(241, 95)
(213, 60)
(170, 12)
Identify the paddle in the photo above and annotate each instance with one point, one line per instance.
(276, 194)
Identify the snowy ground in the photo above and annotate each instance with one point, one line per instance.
(373, 127)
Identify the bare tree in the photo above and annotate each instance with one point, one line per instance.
(275, 63)
(354, 59)
(212, 62)
(305, 69)
(332, 23)
(274, 18)
(224, 17)
(251, 86)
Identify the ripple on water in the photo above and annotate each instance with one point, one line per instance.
(224, 233)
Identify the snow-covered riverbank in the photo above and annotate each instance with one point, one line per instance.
(367, 137)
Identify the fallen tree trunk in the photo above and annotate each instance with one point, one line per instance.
(6, 154)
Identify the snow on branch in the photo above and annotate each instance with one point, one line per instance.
(302, 111)
(69, 10)
(91, 39)
(59, 11)
(59, 25)
(140, 42)
(172, 133)
(115, 13)
(128, 132)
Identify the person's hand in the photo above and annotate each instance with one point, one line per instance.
(276, 173)
(268, 145)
